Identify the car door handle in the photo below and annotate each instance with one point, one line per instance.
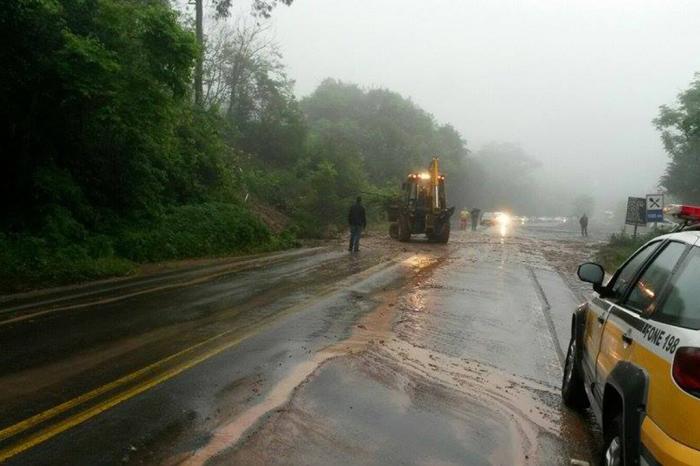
(627, 338)
(601, 320)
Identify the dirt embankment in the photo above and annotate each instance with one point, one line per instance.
(275, 220)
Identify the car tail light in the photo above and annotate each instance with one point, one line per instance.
(683, 212)
(686, 369)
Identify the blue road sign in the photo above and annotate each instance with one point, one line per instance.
(655, 208)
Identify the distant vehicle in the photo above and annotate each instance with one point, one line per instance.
(488, 219)
(634, 354)
(421, 207)
(495, 218)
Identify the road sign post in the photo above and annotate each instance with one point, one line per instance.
(636, 212)
(655, 208)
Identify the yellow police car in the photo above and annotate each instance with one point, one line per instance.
(634, 354)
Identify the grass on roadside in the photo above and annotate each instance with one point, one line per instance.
(620, 246)
(69, 253)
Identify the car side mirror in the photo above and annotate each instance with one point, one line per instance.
(591, 272)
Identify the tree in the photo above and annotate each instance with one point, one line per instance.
(680, 133)
(199, 35)
(236, 53)
(390, 134)
(92, 92)
(247, 81)
(222, 7)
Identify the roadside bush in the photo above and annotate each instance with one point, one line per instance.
(620, 246)
(30, 261)
(64, 252)
(201, 230)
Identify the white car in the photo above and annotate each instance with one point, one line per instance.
(494, 218)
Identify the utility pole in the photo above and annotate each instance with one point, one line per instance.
(199, 32)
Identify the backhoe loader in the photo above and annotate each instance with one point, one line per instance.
(421, 207)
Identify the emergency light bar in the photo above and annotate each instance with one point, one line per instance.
(687, 213)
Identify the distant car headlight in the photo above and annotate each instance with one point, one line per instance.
(503, 219)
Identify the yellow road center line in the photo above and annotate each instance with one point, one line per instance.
(63, 407)
(79, 418)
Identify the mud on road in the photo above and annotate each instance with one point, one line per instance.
(457, 367)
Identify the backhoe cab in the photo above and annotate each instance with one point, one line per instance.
(421, 207)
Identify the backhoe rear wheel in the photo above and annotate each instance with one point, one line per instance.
(443, 236)
(394, 230)
(404, 228)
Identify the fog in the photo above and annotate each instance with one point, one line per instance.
(575, 83)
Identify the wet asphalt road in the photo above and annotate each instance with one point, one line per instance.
(402, 354)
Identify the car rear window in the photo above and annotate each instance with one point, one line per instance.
(682, 305)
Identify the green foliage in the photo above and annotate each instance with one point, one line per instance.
(205, 167)
(94, 89)
(65, 252)
(390, 134)
(376, 137)
(195, 231)
(276, 132)
(109, 164)
(680, 133)
(246, 79)
(347, 143)
(620, 247)
(320, 203)
(261, 8)
(315, 193)
(62, 252)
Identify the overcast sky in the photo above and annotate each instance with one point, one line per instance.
(576, 83)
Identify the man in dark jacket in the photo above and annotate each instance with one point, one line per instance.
(475, 213)
(583, 221)
(357, 221)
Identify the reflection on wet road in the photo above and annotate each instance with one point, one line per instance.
(404, 354)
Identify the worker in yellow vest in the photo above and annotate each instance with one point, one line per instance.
(463, 219)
